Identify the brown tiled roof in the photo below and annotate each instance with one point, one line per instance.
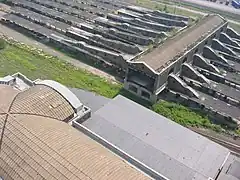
(7, 94)
(178, 44)
(44, 101)
(38, 145)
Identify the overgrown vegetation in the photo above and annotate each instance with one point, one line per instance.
(184, 116)
(35, 64)
(2, 44)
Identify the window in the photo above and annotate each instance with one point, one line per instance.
(132, 88)
(146, 94)
(206, 42)
(171, 71)
(184, 60)
(196, 50)
(177, 95)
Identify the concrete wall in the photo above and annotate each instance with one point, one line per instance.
(217, 45)
(111, 57)
(167, 22)
(118, 45)
(177, 84)
(211, 54)
(131, 37)
(140, 91)
(156, 26)
(190, 72)
(201, 62)
(144, 31)
(228, 40)
(232, 33)
(171, 16)
(139, 66)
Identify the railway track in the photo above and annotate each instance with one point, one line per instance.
(233, 147)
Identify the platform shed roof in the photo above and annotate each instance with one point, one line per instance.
(161, 144)
(179, 44)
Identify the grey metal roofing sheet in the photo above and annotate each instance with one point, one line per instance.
(231, 169)
(161, 144)
(90, 99)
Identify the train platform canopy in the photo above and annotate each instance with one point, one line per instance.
(175, 47)
(162, 145)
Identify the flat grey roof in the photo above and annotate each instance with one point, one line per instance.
(231, 169)
(163, 145)
(90, 99)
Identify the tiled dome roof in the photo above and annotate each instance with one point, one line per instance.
(36, 144)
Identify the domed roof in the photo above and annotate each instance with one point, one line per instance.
(36, 144)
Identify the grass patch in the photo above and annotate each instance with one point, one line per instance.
(167, 7)
(184, 116)
(35, 64)
(238, 131)
(2, 44)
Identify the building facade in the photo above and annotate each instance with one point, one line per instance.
(147, 76)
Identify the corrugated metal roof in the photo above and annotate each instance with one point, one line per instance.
(163, 145)
(37, 146)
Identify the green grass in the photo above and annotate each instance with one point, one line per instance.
(166, 7)
(184, 116)
(35, 64)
